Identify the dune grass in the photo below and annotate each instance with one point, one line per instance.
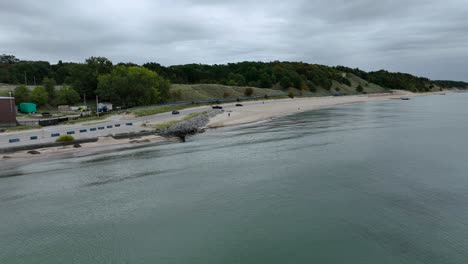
(84, 119)
(153, 110)
(65, 138)
(194, 92)
(19, 128)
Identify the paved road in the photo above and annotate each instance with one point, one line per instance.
(112, 125)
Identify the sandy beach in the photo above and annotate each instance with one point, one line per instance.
(268, 109)
(253, 111)
(102, 145)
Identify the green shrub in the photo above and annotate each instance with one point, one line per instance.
(291, 94)
(359, 89)
(65, 138)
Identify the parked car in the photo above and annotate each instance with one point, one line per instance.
(217, 107)
(239, 105)
(175, 112)
(102, 109)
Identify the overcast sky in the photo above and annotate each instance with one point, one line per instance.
(423, 37)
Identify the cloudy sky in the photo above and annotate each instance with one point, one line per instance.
(423, 37)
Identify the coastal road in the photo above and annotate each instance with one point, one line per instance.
(114, 124)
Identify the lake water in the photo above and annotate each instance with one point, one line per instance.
(382, 182)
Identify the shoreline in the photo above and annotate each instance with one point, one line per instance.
(249, 113)
(284, 107)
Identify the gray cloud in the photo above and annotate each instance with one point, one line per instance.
(423, 37)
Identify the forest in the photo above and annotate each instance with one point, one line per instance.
(129, 84)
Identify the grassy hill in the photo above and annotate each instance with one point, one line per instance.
(194, 92)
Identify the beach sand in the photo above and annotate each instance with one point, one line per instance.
(250, 112)
(102, 145)
(268, 109)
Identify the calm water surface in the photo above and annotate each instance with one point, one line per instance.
(365, 183)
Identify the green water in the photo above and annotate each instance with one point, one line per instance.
(365, 183)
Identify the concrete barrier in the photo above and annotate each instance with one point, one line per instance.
(55, 135)
(92, 129)
(71, 133)
(33, 138)
(14, 140)
(129, 124)
(109, 126)
(83, 130)
(100, 128)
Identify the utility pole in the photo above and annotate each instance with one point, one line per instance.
(97, 105)
(34, 80)
(11, 104)
(25, 79)
(84, 99)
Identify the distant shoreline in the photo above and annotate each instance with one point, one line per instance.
(250, 112)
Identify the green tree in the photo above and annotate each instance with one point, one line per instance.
(22, 94)
(248, 92)
(265, 81)
(8, 59)
(40, 95)
(67, 96)
(49, 85)
(359, 89)
(285, 82)
(131, 86)
(231, 83)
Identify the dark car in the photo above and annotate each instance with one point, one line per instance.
(217, 107)
(175, 112)
(239, 105)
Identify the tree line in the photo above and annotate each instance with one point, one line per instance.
(401, 81)
(128, 84)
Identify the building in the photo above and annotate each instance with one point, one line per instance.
(7, 111)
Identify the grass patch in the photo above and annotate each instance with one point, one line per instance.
(84, 119)
(194, 92)
(154, 110)
(19, 128)
(165, 125)
(192, 115)
(65, 138)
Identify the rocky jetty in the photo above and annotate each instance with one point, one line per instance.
(189, 127)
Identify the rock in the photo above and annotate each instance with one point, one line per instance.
(34, 152)
(77, 145)
(6, 157)
(189, 127)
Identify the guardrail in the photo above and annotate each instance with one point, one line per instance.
(73, 132)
